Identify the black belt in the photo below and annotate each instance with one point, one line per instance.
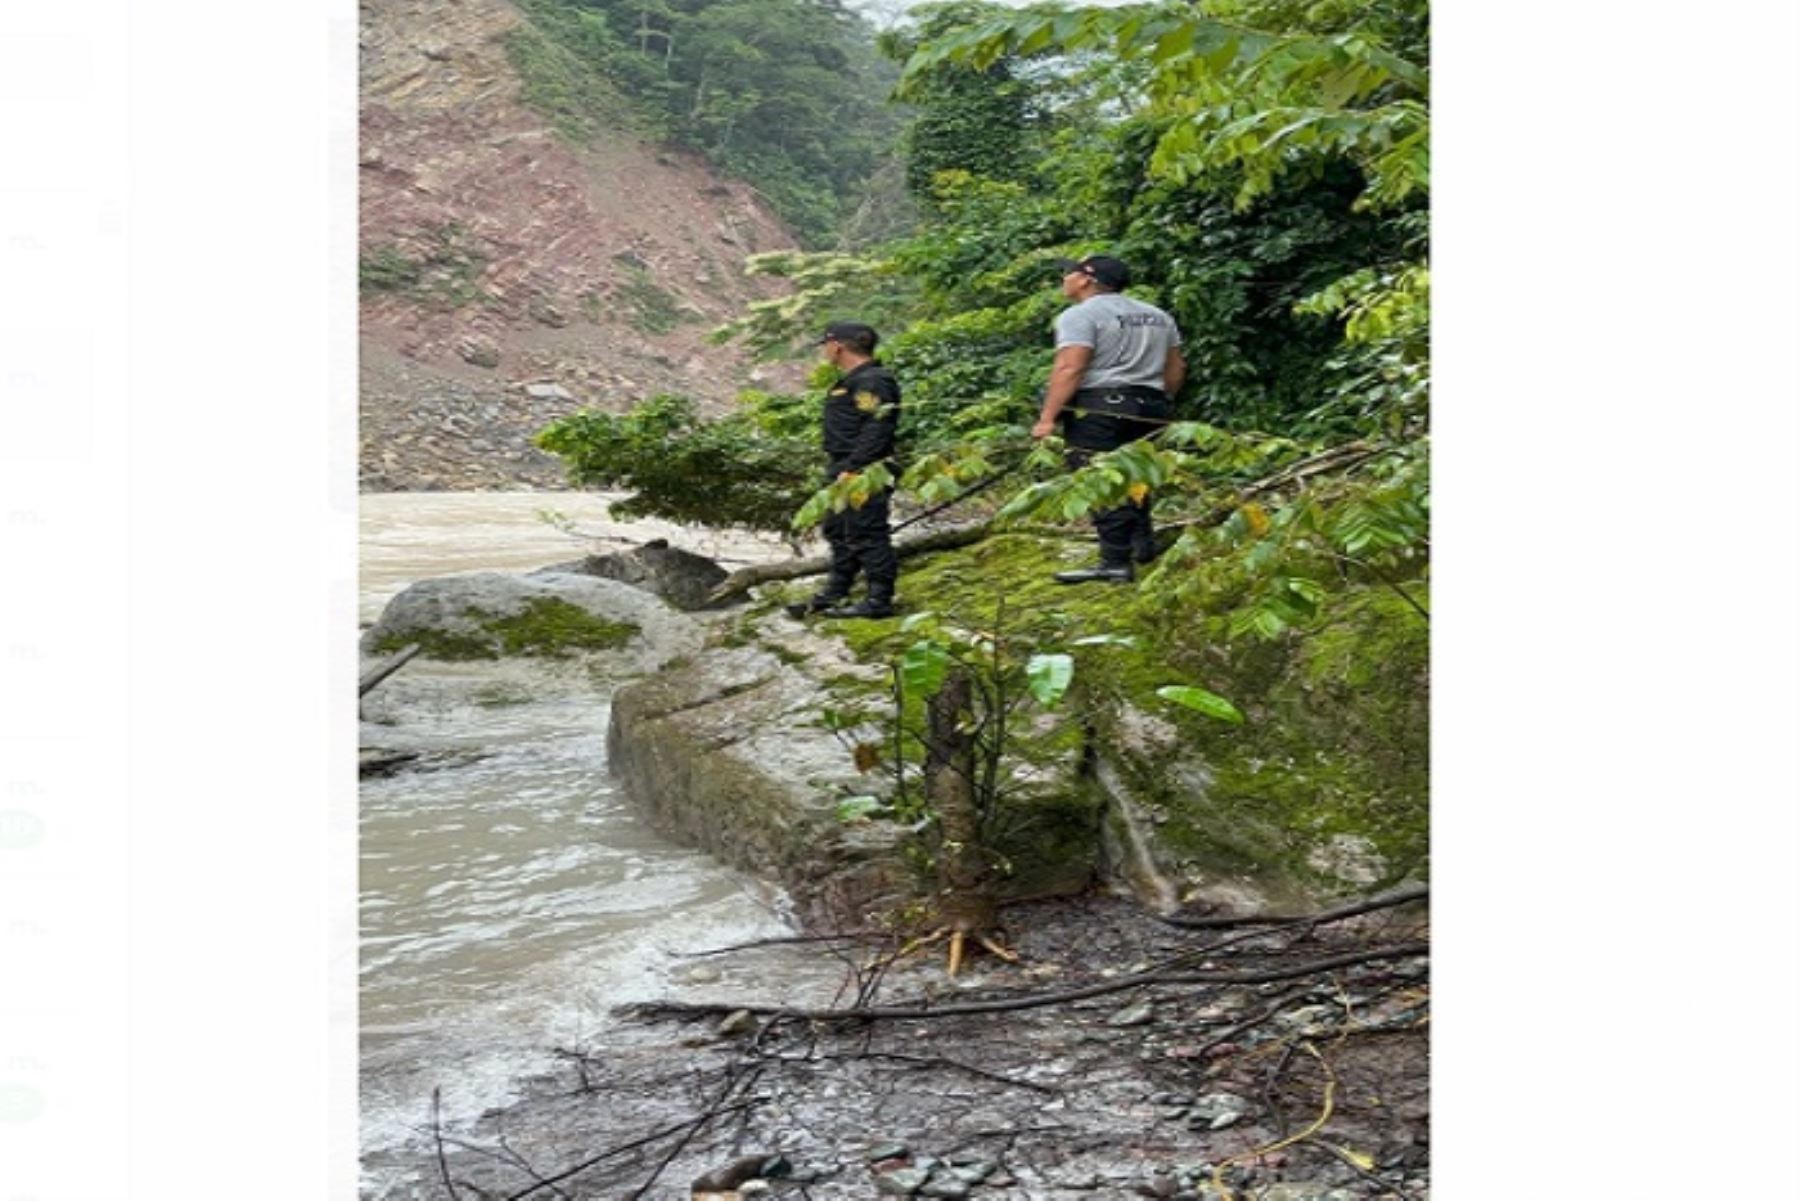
(1132, 391)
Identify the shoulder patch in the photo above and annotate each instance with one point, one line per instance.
(839, 391)
(867, 401)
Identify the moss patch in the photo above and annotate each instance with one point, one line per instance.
(547, 627)
(1337, 731)
(443, 269)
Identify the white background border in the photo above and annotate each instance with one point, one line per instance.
(1617, 597)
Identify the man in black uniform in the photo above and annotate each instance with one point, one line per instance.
(861, 411)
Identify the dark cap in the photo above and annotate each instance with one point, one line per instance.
(1103, 269)
(854, 334)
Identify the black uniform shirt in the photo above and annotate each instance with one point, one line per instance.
(861, 411)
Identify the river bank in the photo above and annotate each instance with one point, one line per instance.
(559, 937)
(1140, 1091)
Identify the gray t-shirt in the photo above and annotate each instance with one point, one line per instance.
(1131, 339)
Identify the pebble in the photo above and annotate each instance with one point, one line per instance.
(882, 1151)
(734, 1024)
(903, 1182)
(1158, 1186)
(1080, 1181)
(1216, 1111)
(945, 1186)
(1308, 1019)
(974, 1171)
(1302, 1191)
(1134, 1015)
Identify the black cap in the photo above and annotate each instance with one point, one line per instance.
(854, 334)
(1103, 269)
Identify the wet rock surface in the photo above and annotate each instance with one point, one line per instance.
(494, 614)
(682, 578)
(724, 754)
(1050, 1102)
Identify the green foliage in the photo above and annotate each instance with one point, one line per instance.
(1262, 164)
(826, 285)
(386, 269)
(1048, 677)
(1201, 701)
(972, 121)
(852, 492)
(562, 55)
(783, 93)
(442, 271)
(679, 467)
(650, 308)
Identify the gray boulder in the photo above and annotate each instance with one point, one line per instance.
(492, 615)
(680, 577)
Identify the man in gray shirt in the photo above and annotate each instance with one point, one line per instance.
(1118, 363)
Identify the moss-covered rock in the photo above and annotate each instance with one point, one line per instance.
(1323, 789)
(491, 615)
(725, 754)
(1320, 792)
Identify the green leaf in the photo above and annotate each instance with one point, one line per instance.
(922, 667)
(1048, 677)
(858, 808)
(1209, 703)
(912, 621)
(1106, 640)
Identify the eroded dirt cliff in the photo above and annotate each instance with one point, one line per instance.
(498, 255)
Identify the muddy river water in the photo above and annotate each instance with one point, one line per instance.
(510, 895)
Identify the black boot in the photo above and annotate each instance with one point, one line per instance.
(1111, 573)
(817, 604)
(870, 608)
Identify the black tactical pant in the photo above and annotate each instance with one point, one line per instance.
(859, 541)
(1126, 532)
(1106, 420)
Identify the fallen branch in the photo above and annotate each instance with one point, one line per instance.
(746, 578)
(1318, 1124)
(437, 1131)
(712, 1111)
(379, 673)
(1414, 892)
(934, 1061)
(656, 1009)
(1338, 458)
(634, 1144)
(786, 940)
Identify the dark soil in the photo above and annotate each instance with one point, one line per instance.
(1112, 1096)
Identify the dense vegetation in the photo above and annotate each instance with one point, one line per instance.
(786, 94)
(1264, 167)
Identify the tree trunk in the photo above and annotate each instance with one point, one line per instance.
(965, 903)
(746, 578)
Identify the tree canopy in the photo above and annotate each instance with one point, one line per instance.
(786, 94)
(1264, 166)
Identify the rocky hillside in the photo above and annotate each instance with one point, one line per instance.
(509, 274)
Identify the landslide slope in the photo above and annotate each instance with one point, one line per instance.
(497, 253)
